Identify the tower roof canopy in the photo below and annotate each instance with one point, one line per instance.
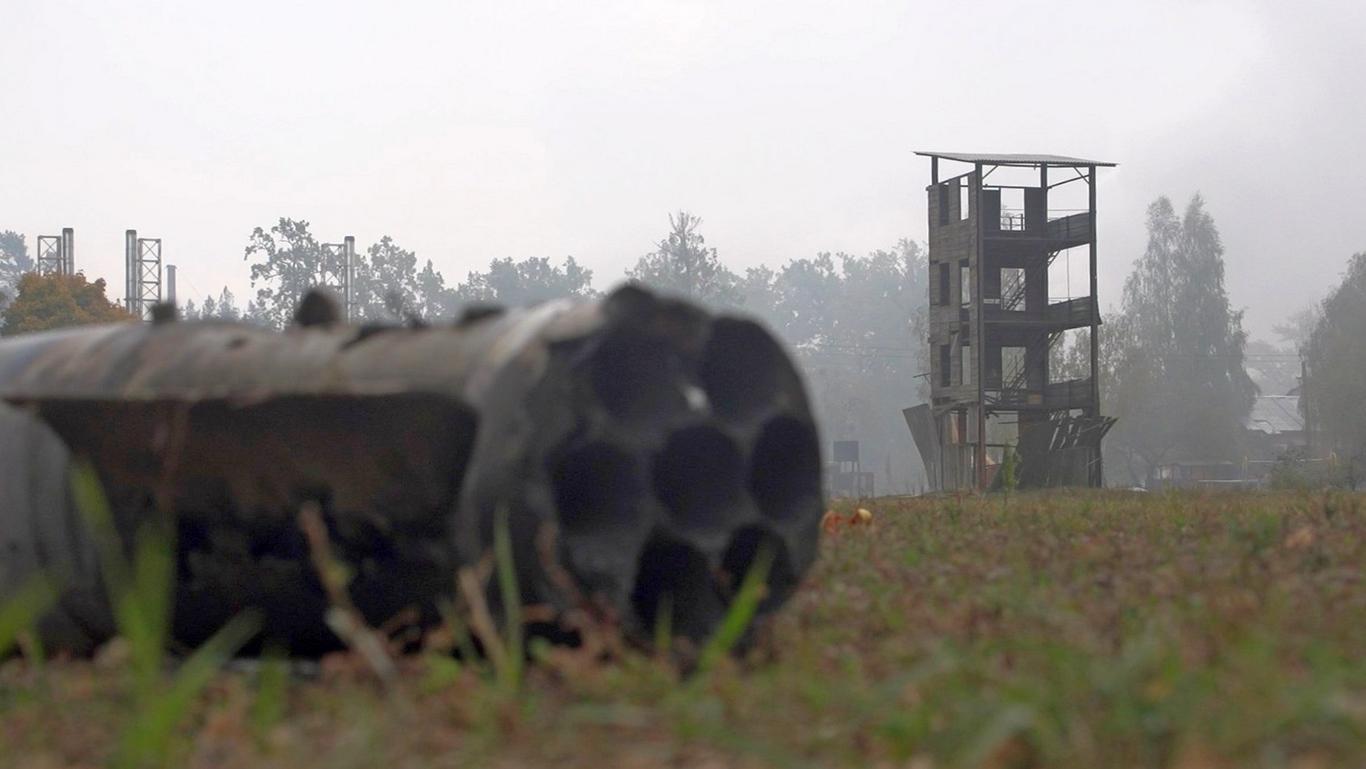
(1011, 159)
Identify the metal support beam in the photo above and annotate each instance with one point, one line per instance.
(50, 260)
(130, 270)
(979, 307)
(142, 274)
(57, 253)
(69, 250)
(1098, 478)
(339, 267)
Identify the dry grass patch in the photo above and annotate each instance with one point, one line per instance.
(1077, 629)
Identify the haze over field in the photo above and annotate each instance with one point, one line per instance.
(479, 130)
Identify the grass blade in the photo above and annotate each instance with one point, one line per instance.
(741, 612)
(20, 613)
(149, 738)
(512, 600)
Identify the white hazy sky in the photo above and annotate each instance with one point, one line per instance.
(474, 130)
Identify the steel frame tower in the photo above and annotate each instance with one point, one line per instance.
(339, 264)
(57, 253)
(142, 274)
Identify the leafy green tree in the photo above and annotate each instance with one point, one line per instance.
(14, 263)
(808, 292)
(223, 308)
(882, 305)
(1181, 388)
(683, 264)
(288, 261)
(857, 327)
(759, 295)
(1125, 384)
(529, 281)
(1070, 358)
(434, 300)
(870, 345)
(385, 282)
(1336, 356)
(56, 301)
(1010, 460)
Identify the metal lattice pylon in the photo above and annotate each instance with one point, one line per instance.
(57, 253)
(338, 271)
(142, 267)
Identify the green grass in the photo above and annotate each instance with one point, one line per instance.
(140, 594)
(1078, 629)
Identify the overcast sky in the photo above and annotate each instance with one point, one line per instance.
(474, 130)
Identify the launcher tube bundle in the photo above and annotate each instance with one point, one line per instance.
(639, 451)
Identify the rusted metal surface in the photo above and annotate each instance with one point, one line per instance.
(641, 446)
(1064, 451)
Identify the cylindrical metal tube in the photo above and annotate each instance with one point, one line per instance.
(656, 447)
(68, 251)
(130, 273)
(43, 536)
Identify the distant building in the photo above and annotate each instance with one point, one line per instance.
(1274, 427)
(1003, 232)
(1187, 474)
(1274, 431)
(844, 477)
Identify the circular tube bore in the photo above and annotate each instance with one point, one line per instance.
(785, 473)
(700, 477)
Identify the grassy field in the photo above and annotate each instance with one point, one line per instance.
(1060, 630)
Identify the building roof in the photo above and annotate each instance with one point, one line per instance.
(999, 159)
(1275, 414)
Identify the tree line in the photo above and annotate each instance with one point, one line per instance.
(1334, 348)
(854, 323)
(1173, 354)
(33, 302)
(1174, 359)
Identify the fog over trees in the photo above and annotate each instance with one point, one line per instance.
(14, 262)
(854, 323)
(1173, 366)
(1177, 368)
(1335, 351)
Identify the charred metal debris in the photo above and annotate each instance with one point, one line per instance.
(642, 451)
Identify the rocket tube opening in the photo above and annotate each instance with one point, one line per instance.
(742, 368)
(743, 552)
(700, 477)
(638, 376)
(598, 489)
(785, 472)
(674, 581)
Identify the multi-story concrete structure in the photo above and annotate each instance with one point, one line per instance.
(1012, 264)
